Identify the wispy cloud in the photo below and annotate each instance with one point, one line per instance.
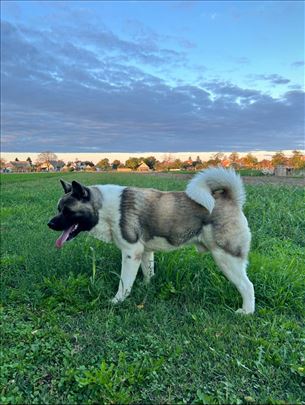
(141, 32)
(298, 63)
(241, 60)
(271, 78)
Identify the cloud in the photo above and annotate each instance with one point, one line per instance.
(141, 32)
(228, 89)
(67, 90)
(298, 63)
(241, 60)
(272, 78)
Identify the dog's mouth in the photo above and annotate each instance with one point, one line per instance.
(67, 235)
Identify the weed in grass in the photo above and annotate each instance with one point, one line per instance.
(115, 383)
(94, 287)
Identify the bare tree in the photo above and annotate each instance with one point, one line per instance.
(46, 157)
(233, 157)
(168, 157)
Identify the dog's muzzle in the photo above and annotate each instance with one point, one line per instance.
(51, 224)
(56, 225)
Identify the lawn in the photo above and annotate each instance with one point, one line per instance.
(177, 341)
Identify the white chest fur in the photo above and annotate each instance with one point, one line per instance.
(108, 227)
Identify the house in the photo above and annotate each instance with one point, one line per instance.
(74, 166)
(225, 163)
(90, 168)
(266, 167)
(265, 164)
(57, 164)
(9, 168)
(143, 167)
(123, 169)
(66, 168)
(51, 166)
(18, 167)
(45, 167)
(79, 165)
(283, 170)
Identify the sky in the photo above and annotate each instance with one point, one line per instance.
(163, 76)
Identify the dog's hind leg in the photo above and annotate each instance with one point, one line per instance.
(234, 268)
(131, 260)
(147, 266)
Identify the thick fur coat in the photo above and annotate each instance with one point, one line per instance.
(141, 221)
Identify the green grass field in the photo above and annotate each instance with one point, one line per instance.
(177, 341)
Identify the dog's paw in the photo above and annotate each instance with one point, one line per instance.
(147, 280)
(243, 311)
(115, 300)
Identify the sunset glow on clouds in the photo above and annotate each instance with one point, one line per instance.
(152, 76)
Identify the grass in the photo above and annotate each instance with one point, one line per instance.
(177, 341)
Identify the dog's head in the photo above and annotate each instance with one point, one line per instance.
(77, 212)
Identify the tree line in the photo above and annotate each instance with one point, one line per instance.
(169, 162)
(297, 161)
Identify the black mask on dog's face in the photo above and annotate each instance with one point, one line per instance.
(76, 212)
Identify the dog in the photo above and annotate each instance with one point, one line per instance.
(141, 221)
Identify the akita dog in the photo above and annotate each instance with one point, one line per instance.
(141, 221)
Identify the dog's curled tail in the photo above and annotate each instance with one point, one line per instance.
(205, 183)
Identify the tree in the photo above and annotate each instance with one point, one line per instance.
(151, 162)
(168, 157)
(297, 160)
(216, 159)
(88, 163)
(103, 164)
(46, 158)
(198, 160)
(132, 163)
(219, 156)
(2, 163)
(202, 165)
(185, 165)
(115, 164)
(234, 157)
(16, 159)
(177, 164)
(29, 160)
(249, 160)
(197, 163)
(278, 159)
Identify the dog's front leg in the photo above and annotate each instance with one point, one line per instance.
(148, 266)
(131, 260)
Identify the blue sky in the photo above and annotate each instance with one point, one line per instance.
(152, 76)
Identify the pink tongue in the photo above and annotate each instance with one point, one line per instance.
(64, 236)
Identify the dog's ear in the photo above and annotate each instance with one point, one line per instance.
(66, 186)
(79, 191)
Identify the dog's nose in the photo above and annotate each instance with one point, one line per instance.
(51, 224)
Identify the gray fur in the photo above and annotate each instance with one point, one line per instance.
(148, 213)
